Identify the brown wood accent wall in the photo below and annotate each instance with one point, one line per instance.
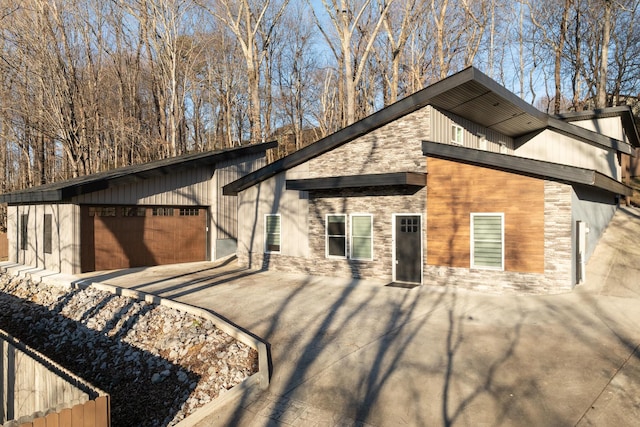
(4, 247)
(94, 413)
(113, 242)
(455, 190)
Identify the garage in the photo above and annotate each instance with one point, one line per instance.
(114, 237)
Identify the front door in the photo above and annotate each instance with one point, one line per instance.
(408, 248)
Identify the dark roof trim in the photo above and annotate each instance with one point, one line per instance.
(469, 94)
(378, 119)
(358, 181)
(624, 112)
(525, 166)
(65, 190)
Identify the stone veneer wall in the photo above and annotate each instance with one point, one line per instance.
(395, 147)
(380, 203)
(557, 277)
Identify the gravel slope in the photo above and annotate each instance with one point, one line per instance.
(157, 363)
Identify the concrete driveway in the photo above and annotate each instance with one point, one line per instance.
(360, 353)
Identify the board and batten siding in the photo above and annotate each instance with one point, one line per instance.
(554, 147)
(227, 206)
(608, 126)
(441, 122)
(455, 190)
(190, 187)
(271, 197)
(65, 237)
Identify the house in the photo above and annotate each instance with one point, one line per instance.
(163, 212)
(461, 182)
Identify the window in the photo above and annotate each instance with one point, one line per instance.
(272, 233)
(336, 238)
(189, 211)
(133, 211)
(487, 240)
(101, 211)
(162, 211)
(456, 134)
(361, 237)
(24, 220)
(47, 234)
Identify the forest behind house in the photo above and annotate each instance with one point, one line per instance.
(92, 85)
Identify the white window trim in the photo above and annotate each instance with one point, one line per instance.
(482, 267)
(266, 250)
(454, 131)
(326, 236)
(351, 236)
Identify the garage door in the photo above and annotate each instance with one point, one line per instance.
(115, 237)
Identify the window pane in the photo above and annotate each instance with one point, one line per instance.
(24, 219)
(361, 232)
(336, 225)
(361, 226)
(47, 234)
(361, 248)
(487, 241)
(337, 246)
(273, 233)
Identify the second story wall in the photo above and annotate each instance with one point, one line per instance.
(554, 147)
(608, 126)
(473, 135)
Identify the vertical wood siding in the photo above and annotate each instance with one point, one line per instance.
(441, 122)
(4, 247)
(455, 190)
(553, 147)
(189, 187)
(94, 413)
(227, 206)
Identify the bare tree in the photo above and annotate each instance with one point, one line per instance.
(346, 17)
(248, 21)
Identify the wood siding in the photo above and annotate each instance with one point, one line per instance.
(455, 190)
(441, 122)
(94, 413)
(188, 188)
(226, 211)
(4, 247)
(553, 147)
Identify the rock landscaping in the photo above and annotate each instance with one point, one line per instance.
(158, 364)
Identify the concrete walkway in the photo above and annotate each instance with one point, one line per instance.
(358, 353)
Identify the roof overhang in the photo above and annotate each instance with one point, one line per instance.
(524, 166)
(469, 94)
(474, 96)
(65, 190)
(409, 179)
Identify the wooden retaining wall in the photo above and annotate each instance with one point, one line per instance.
(35, 391)
(4, 247)
(94, 413)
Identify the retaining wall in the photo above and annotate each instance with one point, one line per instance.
(34, 387)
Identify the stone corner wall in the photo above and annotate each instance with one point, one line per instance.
(558, 246)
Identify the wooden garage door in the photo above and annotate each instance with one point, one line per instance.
(132, 236)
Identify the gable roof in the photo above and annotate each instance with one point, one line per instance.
(65, 190)
(469, 94)
(525, 166)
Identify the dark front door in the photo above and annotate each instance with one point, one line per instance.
(408, 248)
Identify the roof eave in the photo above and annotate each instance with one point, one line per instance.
(524, 166)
